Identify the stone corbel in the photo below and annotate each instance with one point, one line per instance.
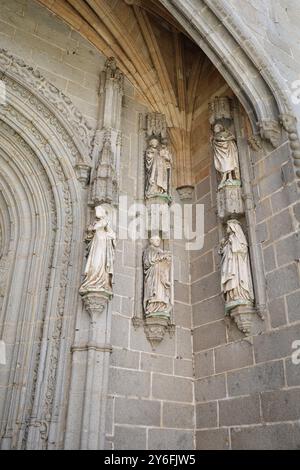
(95, 303)
(186, 192)
(244, 317)
(83, 173)
(270, 131)
(255, 143)
(289, 123)
(156, 327)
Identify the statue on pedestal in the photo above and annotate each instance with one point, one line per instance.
(236, 279)
(226, 156)
(99, 267)
(157, 280)
(158, 164)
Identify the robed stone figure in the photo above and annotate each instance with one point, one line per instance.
(99, 266)
(158, 162)
(157, 279)
(225, 154)
(236, 279)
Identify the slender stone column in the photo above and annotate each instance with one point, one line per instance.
(91, 350)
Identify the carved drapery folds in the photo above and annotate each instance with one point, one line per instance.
(158, 282)
(158, 161)
(236, 275)
(155, 307)
(96, 288)
(226, 159)
(97, 285)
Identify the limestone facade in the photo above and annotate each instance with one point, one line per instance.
(74, 376)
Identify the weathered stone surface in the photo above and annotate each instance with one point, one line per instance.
(208, 311)
(207, 287)
(184, 343)
(209, 336)
(271, 437)
(239, 411)
(204, 364)
(233, 356)
(203, 188)
(277, 312)
(288, 249)
(202, 266)
(280, 225)
(250, 380)
(137, 412)
(170, 388)
(182, 292)
(283, 281)
(270, 184)
(263, 210)
(292, 373)
(179, 416)
(215, 439)
(183, 314)
(207, 415)
(120, 331)
(170, 439)
(183, 368)
(269, 258)
(130, 438)
(293, 302)
(125, 358)
(276, 344)
(281, 405)
(155, 363)
(129, 383)
(210, 388)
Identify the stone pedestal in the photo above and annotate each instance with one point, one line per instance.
(156, 327)
(186, 193)
(244, 316)
(95, 302)
(230, 202)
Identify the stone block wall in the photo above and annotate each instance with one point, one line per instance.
(246, 392)
(237, 394)
(151, 397)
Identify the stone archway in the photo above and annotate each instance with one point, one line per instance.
(116, 29)
(43, 160)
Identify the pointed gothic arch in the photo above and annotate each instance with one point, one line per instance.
(45, 159)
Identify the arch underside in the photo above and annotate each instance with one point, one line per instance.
(191, 32)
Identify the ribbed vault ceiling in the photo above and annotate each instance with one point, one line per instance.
(153, 52)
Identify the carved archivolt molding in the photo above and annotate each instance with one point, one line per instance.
(51, 105)
(34, 122)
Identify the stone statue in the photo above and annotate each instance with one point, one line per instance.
(236, 279)
(157, 279)
(99, 267)
(225, 154)
(158, 165)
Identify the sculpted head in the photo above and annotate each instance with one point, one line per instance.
(218, 128)
(155, 241)
(154, 142)
(100, 212)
